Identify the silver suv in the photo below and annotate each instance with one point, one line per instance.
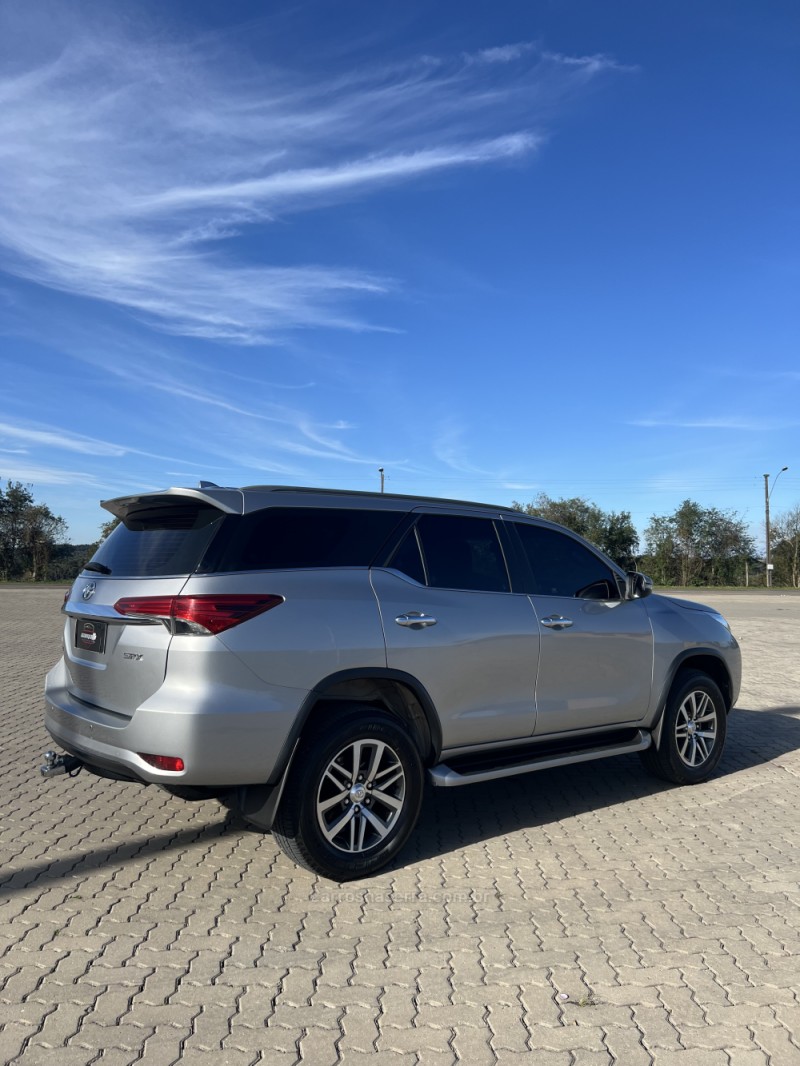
(310, 656)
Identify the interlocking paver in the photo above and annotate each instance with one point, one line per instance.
(584, 917)
(748, 1057)
(780, 1045)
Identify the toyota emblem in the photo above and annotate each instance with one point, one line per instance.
(89, 590)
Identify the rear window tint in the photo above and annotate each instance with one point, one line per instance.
(289, 538)
(462, 553)
(407, 558)
(160, 542)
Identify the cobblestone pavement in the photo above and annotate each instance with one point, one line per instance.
(577, 917)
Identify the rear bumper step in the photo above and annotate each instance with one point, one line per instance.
(444, 776)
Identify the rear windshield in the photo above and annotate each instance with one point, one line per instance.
(159, 542)
(288, 538)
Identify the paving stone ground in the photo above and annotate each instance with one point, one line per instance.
(576, 917)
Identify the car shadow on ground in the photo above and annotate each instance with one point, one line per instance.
(453, 818)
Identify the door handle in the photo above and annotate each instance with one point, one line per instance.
(415, 620)
(557, 621)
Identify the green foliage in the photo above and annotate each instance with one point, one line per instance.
(698, 546)
(67, 560)
(613, 532)
(28, 534)
(785, 548)
(107, 528)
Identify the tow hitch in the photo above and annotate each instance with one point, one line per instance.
(55, 765)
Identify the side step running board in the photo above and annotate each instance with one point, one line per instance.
(443, 776)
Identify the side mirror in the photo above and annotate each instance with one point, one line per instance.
(637, 586)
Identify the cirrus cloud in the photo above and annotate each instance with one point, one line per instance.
(130, 162)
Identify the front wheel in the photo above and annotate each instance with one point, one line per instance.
(353, 796)
(693, 733)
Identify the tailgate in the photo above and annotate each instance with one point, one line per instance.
(116, 662)
(112, 662)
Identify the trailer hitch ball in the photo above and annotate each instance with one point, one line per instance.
(55, 765)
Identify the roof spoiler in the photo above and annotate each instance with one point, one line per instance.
(229, 501)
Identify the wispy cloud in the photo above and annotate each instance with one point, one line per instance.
(450, 447)
(506, 53)
(62, 440)
(589, 65)
(744, 423)
(258, 422)
(292, 185)
(130, 163)
(197, 408)
(40, 474)
(754, 372)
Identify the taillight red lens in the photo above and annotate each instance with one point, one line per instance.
(164, 762)
(146, 606)
(198, 614)
(218, 613)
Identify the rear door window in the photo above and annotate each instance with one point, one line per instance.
(408, 560)
(462, 553)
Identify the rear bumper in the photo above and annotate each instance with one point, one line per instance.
(237, 740)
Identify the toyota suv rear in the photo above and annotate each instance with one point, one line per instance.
(312, 655)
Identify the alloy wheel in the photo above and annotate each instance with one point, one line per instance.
(696, 728)
(360, 796)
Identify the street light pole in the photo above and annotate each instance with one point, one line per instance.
(766, 517)
(767, 493)
(380, 471)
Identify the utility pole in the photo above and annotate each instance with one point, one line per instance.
(380, 471)
(767, 493)
(766, 518)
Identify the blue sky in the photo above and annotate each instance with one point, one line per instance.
(495, 248)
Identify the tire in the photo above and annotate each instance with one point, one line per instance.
(693, 733)
(333, 818)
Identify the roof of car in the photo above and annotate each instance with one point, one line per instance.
(366, 494)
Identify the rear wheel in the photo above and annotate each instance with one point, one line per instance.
(693, 733)
(353, 796)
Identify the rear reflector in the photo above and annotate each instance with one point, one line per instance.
(164, 762)
(200, 615)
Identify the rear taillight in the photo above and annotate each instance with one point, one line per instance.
(200, 615)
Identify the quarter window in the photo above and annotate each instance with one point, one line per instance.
(288, 538)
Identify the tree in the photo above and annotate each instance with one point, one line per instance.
(612, 532)
(28, 533)
(13, 504)
(107, 528)
(698, 546)
(39, 532)
(67, 560)
(785, 547)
